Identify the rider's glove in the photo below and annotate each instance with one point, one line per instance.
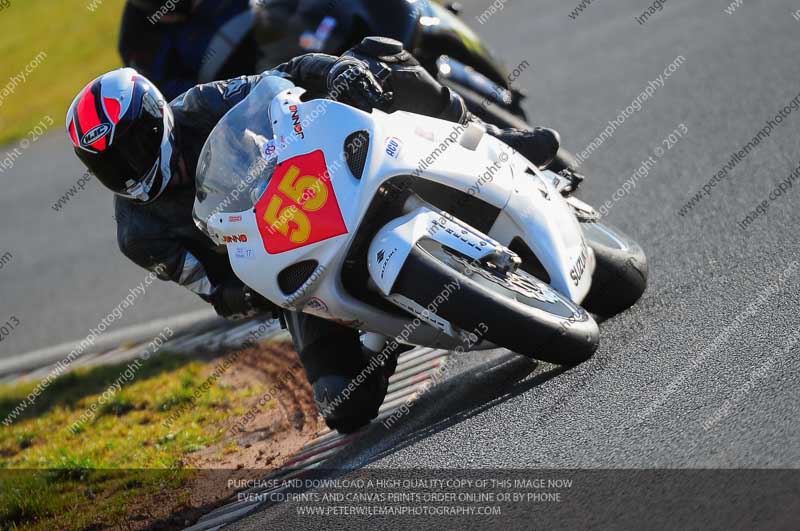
(235, 301)
(350, 80)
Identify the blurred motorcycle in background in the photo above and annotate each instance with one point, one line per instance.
(202, 41)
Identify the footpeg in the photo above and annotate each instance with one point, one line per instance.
(568, 181)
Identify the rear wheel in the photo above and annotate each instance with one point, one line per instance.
(620, 277)
(513, 310)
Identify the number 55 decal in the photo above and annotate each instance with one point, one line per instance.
(299, 207)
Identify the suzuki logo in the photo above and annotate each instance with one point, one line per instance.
(576, 273)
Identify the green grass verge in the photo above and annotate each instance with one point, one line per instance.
(79, 38)
(79, 45)
(56, 477)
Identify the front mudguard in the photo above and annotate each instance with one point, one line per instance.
(392, 245)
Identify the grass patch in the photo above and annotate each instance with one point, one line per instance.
(70, 389)
(57, 477)
(175, 399)
(117, 406)
(79, 45)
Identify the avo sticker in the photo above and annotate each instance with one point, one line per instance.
(299, 207)
(393, 147)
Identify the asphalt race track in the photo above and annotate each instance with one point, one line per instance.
(66, 273)
(703, 372)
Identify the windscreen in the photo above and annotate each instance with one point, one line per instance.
(239, 157)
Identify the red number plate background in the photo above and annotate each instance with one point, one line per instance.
(291, 223)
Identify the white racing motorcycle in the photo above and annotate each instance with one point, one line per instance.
(410, 228)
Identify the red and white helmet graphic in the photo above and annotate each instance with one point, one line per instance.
(122, 130)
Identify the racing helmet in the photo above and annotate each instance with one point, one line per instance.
(122, 129)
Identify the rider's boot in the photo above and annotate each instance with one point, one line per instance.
(349, 381)
(541, 146)
(571, 180)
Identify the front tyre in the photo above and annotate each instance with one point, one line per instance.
(513, 310)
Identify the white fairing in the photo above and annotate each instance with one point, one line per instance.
(539, 214)
(403, 144)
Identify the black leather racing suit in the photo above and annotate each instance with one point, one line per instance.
(163, 233)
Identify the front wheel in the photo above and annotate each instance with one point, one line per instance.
(514, 310)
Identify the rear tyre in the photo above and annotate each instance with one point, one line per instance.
(620, 277)
(516, 310)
